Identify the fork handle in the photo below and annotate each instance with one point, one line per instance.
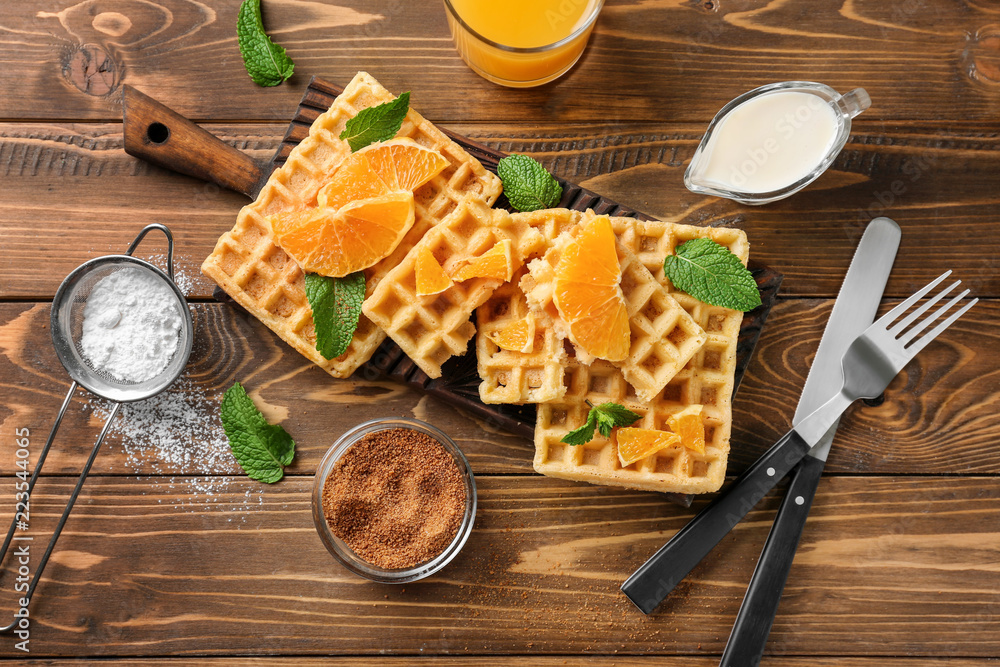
(760, 604)
(652, 582)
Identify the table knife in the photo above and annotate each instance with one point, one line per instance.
(654, 580)
(852, 313)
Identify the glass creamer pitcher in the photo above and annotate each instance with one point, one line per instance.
(773, 141)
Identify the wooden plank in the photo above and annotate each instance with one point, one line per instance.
(887, 566)
(73, 186)
(941, 415)
(652, 61)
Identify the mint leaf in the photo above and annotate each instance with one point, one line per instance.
(527, 184)
(711, 273)
(603, 417)
(265, 62)
(262, 449)
(336, 306)
(378, 123)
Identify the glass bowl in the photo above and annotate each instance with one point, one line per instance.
(342, 552)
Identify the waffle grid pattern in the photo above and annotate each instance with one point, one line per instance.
(707, 379)
(249, 266)
(431, 329)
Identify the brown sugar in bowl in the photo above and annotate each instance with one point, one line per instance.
(394, 500)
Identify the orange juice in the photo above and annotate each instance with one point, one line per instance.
(521, 42)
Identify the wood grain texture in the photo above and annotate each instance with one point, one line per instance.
(140, 571)
(71, 193)
(939, 416)
(616, 660)
(659, 60)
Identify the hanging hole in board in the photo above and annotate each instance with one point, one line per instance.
(157, 133)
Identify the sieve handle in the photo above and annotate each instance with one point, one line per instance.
(158, 134)
(170, 244)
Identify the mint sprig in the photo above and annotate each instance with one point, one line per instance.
(265, 62)
(378, 123)
(603, 417)
(262, 449)
(711, 273)
(336, 307)
(527, 184)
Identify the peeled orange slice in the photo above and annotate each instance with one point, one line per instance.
(588, 295)
(688, 426)
(518, 336)
(337, 242)
(378, 169)
(497, 263)
(431, 278)
(638, 443)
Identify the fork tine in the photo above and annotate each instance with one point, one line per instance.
(930, 319)
(922, 343)
(889, 317)
(912, 317)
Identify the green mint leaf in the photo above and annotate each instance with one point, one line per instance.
(262, 449)
(711, 273)
(336, 306)
(584, 434)
(610, 415)
(603, 417)
(527, 184)
(378, 123)
(265, 62)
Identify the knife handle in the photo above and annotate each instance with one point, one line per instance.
(158, 134)
(760, 604)
(654, 580)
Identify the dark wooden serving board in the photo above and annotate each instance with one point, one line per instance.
(157, 134)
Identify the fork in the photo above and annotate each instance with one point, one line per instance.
(870, 363)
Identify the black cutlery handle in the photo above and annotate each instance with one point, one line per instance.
(652, 582)
(753, 622)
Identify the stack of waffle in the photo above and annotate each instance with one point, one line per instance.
(682, 351)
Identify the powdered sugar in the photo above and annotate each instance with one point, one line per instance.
(131, 325)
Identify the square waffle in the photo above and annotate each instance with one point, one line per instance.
(706, 380)
(431, 329)
(254, 271)
(512, 376)
(664, 337)
(522, 377)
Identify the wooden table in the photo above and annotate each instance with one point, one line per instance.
(172, 552)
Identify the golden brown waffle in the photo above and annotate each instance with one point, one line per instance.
(253, 270)
(663, 336)
(517, 377)
(707, 379)
(431, 329)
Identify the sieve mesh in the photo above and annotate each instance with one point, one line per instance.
(67, 331)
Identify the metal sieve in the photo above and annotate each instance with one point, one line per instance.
(67, 330)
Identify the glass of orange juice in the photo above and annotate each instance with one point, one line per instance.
(521, 43)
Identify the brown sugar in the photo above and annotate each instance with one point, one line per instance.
(396, 498)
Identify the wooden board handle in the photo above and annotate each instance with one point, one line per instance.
(158, 134)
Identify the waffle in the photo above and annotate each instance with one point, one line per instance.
(708, 379)
(431, 329)
(248, 264)
(517, 377)
(663, 336)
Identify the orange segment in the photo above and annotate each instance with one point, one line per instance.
(638, 443)
(431, 278)
(588, 296)
(688, 426)
(378, 169)
(337, 242)
(497, 263)
(517, 336)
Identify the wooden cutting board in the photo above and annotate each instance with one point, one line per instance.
(156, 133)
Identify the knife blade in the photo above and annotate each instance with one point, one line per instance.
(853, 311)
